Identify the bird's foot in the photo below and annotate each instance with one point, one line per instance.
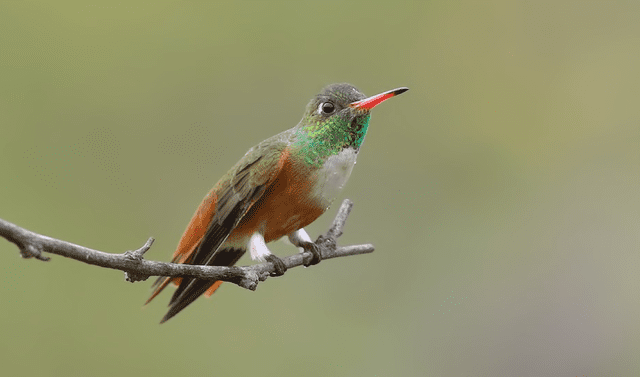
(315, 252)
(278, 265)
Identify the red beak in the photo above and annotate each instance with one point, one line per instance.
(373, 101)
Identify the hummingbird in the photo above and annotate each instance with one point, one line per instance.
(280, 186)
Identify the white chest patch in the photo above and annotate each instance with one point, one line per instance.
(334, 174)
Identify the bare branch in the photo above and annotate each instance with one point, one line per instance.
(136, 268)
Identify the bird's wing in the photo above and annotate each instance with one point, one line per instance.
(219, 213)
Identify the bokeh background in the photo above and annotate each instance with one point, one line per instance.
(501, 192)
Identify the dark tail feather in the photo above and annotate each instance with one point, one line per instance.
(196, 289)
(159, 285)
(190, 289)
(162, 281)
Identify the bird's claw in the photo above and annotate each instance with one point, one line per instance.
(278, 265)
(315, 252)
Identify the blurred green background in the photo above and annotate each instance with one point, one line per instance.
(501, 192)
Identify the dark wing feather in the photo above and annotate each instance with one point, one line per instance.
(207, 250)
(238, 191)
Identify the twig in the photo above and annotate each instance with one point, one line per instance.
(136, 268)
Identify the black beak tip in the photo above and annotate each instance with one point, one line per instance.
(400, 91)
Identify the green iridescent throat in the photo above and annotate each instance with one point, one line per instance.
(318, 141)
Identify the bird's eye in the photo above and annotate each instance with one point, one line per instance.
(327, 107)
